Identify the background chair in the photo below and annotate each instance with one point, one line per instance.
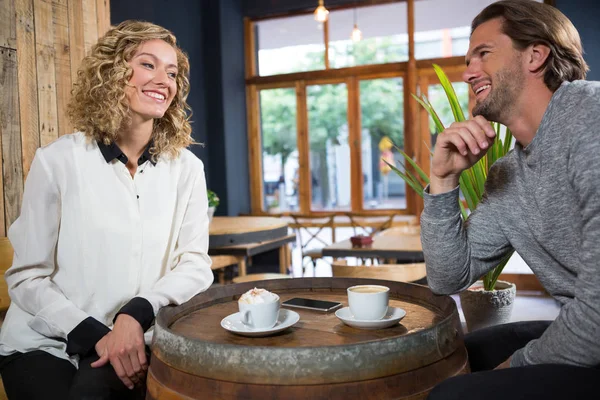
(220, 263)
(401, 230)
(369, 224)
(408, 273)
(259, 277)
(310, 235)
(6, 259)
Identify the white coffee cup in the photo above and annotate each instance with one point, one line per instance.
(368, 302)
(260, 315)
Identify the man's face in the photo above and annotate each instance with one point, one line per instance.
(494, 72)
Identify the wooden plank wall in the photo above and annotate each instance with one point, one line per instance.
(42, 43)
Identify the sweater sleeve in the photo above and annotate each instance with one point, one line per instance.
(458, 253)
(573, 337)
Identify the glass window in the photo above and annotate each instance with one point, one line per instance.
(442, 27)
(384, 35)
(382, 126)
(290, 44)
(280, 153)
(329, 150)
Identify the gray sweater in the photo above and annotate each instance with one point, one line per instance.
(544, 202)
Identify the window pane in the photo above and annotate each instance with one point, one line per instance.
(329, 149)
(442, 27)
(291, 44)
(384, 32)
(280, 153)
(382, 120)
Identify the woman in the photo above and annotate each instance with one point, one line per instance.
(113, 226)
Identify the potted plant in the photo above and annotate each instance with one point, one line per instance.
(488, 301)
(213, 202)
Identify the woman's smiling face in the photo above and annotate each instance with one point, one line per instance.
(153, 85)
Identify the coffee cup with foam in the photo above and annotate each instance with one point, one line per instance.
(368, 302)
(259, 309)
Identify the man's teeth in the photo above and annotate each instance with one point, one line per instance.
(155, 95)
(481, 89)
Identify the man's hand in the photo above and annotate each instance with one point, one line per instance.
(458, 148)
(505, 364)
(124, 348)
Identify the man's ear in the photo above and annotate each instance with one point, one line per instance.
(538, 54)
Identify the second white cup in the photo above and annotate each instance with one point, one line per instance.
(368, 302)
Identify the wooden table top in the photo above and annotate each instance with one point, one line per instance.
(407, 248)
(313, 329)
(229, 225)
(226, 231)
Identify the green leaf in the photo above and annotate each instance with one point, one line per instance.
(409, 178)
(421, 173)
(508, 139)
(427, 106)
(450, 93)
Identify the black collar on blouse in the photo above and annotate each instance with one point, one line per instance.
(113, 151)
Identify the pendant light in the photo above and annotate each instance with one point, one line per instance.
(321, 13)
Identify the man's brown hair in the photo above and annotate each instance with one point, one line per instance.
(527, 23)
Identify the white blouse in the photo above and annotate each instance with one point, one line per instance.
(90, 238)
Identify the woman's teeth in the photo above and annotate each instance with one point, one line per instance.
(155, 95)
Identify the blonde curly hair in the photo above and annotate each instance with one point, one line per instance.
(99, 107)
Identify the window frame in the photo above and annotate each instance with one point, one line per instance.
(416, 75)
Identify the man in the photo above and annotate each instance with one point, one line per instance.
(525, 67)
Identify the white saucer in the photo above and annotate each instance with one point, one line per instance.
(391, 318)
(233, 323)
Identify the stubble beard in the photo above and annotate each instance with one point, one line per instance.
(500, 102)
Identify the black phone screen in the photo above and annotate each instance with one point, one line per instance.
(320, 305)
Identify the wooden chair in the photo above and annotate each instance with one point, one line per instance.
(259, 277)
(312, 226)
(220, 263)
(409, 273)
(6, 259)
(369, 224)
(401, 230)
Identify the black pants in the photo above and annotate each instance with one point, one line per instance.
(39, 375)
(489, 347)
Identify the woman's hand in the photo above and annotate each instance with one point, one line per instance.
(458, 148)
(124, 348)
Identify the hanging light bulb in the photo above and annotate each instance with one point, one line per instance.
(356, 35)
(321, 13)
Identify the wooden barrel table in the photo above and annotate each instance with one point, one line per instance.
(193, 357)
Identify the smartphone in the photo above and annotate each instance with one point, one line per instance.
(311, 304)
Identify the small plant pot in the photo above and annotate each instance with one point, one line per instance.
(484, 308)
(361, 241)
(211, 212)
